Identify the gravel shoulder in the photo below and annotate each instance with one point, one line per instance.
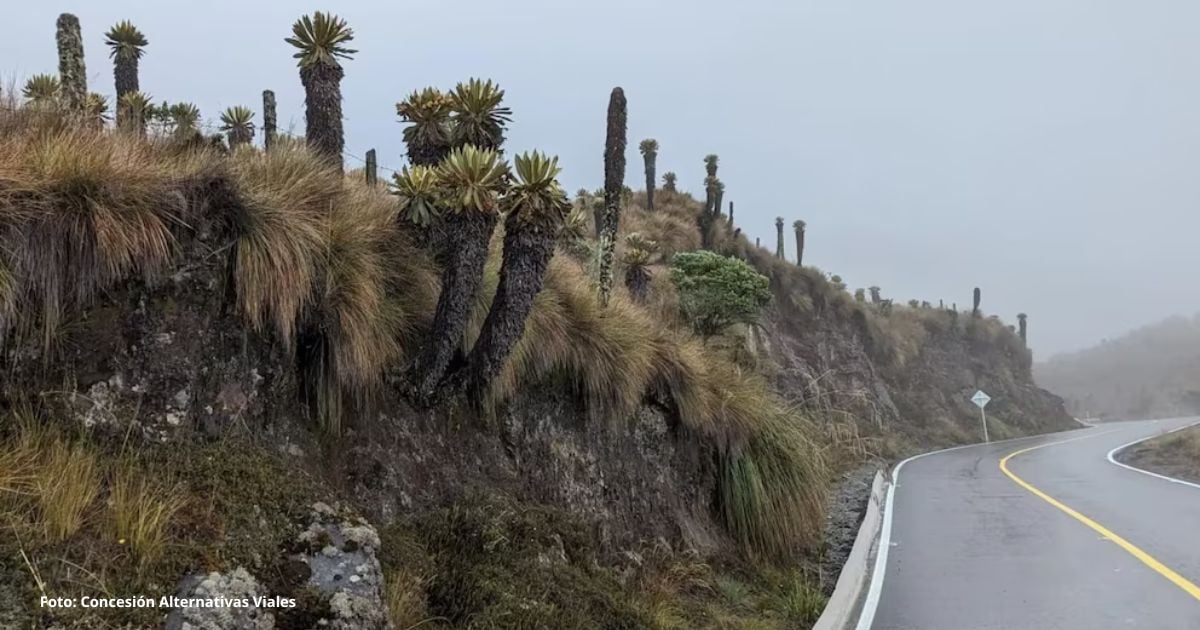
(1174, 455)
(844, 513)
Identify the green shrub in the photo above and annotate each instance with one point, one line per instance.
(800, 600)
(716, 292)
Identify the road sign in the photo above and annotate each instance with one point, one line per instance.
(981, 400)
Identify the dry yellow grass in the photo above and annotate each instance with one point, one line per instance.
(322, 254)
(672, 224)
(68, 482)
(48, 482)
(281, 230)
(133, 537)
(82, 210)
(18, 470)
(404, 596)
(141, 509)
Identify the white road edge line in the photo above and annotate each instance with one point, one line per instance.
(1112, 459)
(867, 617)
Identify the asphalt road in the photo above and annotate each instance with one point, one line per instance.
(971, 549)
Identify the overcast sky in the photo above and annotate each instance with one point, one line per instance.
(1044, 150)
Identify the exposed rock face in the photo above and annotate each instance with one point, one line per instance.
(237, 585)
(933, 392)
(337, 583)
(342, 566)
(638, 480)
(173, 357)
(168, 353)
(825, 362)
(828, 362)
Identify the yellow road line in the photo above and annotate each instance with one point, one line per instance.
(1133, 550)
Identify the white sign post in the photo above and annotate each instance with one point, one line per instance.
(981, 400)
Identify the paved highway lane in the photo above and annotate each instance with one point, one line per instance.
(970, 549)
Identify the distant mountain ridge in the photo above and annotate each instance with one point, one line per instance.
(1153, 371)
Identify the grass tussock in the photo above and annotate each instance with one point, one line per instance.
(142, 509)
(19, 469)
(68, 483)
(54, 485)
(404, 597)
(313, 246)
(320, 256)
(79, 211)
(281, 228)
(83, 209)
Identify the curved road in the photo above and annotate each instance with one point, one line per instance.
(971, 549)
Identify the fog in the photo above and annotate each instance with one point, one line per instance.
(1043, 150)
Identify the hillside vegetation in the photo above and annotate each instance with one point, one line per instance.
(515, 411)
(87, 212)
(1151, 372)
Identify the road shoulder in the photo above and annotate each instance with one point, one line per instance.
(1175, 455)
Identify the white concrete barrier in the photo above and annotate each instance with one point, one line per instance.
(842, 609)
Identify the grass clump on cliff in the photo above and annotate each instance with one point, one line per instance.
(321, 262)
(143, 508)
(79, 211)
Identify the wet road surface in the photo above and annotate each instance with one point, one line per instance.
(973, 549)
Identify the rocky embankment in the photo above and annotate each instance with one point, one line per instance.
(847, 507)
(920, 398)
